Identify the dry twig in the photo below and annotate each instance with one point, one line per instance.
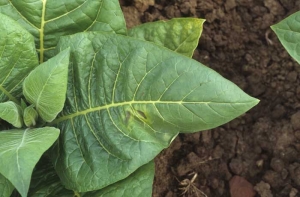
(188, 187)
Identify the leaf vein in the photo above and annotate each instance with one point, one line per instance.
(22, 15)
(118, 73)
(196, 114)
(138, 85)
(66, 12)
(114, 123)
(99, 10)
(99, 141)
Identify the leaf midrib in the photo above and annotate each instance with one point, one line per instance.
(42, 31)
(112, 105)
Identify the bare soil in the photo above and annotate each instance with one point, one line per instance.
(257, 154)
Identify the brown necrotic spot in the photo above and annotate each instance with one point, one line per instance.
(142, 114)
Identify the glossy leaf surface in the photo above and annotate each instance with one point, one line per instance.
(48, 20)
(45, 87)
(126, 100)
(12, 113)
(6, 188)
(17, 58)
(20, 150)
(288, 32)
(180, 35)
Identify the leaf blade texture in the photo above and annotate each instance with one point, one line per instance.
(19, 152)
(288, 32)
(48, 20)
(11, 113)
(17, 58)
(45, 87)
(126, 101)
(180, 34)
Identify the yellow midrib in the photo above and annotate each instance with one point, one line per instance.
(42, 31)
(70, 116)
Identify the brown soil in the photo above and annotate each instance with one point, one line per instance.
(263, 146)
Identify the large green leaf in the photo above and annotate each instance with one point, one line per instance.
(126, 100)
(6, 188)
(17, 58)
(20, 150)
(137, 184)
(180, 34)
(288, 32)
(46, 86)
(12, 113)
(48, 20)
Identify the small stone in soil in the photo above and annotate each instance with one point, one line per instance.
(277, 164)
(293, 192)
(284, 173)
(294, 170)
(273, 178)
(236, 166)
(292, 76)
(263, 189)
(295, 120)
(143, 5)
(239, 186)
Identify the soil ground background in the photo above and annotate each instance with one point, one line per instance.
(257, 154)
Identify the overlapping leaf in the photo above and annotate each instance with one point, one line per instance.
(180, 34)
(45, 87)
(288, 32)
(6, 188)
(17, 58)
(12, 113)
(47, 20)
(20, 151)
(46, 183)
(126, 100)
(137, 184)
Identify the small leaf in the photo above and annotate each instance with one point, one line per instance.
(6, 188)
(17, 58)
(180, 35)
(11, 113)
(288, 32)
(30, 116)
(46, 86)
(138, 183)
(20, 151)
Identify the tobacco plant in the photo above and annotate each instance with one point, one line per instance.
(86, 105)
